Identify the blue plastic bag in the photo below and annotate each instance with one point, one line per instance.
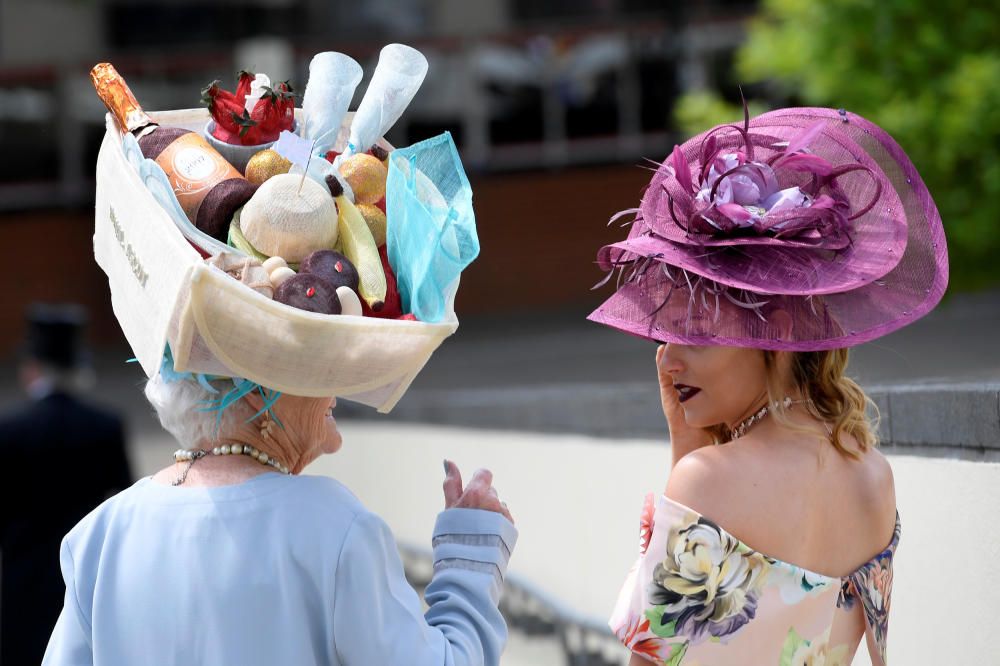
(431, 227)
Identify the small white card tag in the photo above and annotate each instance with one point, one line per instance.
(293, 148)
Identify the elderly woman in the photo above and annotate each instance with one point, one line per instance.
(232, 555)
(760, 253)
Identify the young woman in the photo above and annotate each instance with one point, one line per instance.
(760, 253)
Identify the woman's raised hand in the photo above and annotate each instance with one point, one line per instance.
(479, 494)
(684, 438)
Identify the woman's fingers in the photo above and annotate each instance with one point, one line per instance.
(481, 481)
(452, 484)
(478, 494)
(666, 379)
(668, 394)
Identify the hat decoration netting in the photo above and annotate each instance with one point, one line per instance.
(814, 212)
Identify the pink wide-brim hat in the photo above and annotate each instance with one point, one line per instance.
(802, 229)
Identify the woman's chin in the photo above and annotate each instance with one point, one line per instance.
(333, 442)
(695, 419)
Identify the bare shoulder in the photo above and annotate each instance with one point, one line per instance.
(706, 480)
(734, 486)
(877, 486)
(879, 469)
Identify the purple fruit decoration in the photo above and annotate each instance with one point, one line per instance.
(307, 291)
(333, 267)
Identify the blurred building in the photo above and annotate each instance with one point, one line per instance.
(546, 101)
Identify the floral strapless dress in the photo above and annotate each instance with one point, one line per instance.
(698, 596)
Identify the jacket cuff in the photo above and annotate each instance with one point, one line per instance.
(475, 540)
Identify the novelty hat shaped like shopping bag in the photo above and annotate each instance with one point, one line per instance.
(168, 290)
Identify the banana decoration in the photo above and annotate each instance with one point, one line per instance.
(359, 247)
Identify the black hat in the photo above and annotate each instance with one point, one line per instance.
(55, 334)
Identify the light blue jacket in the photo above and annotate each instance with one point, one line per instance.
(278, 570)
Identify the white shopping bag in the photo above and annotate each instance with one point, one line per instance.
(163, 293)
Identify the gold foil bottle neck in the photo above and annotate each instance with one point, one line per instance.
(115, 94)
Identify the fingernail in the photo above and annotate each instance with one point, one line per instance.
(446, 470)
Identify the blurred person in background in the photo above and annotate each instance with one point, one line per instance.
(66, 456)
(761, 252)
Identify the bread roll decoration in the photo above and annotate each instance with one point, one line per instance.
(350, 304)
(272, 263)
(279, 275)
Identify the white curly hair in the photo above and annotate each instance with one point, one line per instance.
(180, 406)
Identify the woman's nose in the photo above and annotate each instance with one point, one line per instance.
(672, 361)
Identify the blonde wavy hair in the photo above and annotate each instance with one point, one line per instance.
(832, 398)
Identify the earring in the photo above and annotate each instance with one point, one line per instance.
(266, 427)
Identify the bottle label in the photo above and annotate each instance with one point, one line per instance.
(194, 168)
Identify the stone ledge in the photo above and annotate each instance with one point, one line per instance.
(954, 420)
(957, 415)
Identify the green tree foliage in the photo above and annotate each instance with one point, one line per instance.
(926, 71)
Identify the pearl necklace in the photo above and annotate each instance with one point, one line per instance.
(741, 428)
(191, 456)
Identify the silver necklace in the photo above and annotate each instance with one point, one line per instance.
(741, 428)
(191, 456)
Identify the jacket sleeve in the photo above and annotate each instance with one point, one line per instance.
(70, 643)
(378, 617)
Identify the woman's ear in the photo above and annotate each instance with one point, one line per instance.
(255, 401)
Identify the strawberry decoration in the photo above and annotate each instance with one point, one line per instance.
(234, 124)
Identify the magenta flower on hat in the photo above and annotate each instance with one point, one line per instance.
(790, 198)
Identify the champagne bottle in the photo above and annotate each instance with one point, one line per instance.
(208, 187)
